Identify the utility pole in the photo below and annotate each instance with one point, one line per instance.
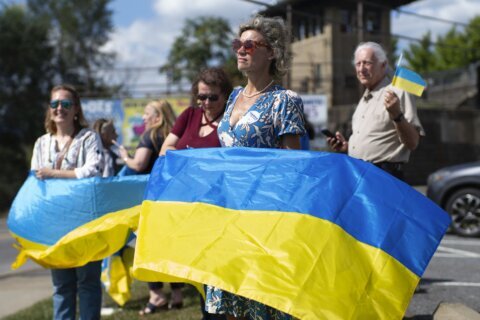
(289, 44)
(360, 21)
(360, 35)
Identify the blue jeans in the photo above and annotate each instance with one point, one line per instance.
(82, 280)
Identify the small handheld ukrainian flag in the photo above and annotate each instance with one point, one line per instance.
(408, 80)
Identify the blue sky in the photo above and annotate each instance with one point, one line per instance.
(145, 29)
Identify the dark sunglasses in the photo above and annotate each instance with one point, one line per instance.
(248, 45)
(211, 97)
(66, 104)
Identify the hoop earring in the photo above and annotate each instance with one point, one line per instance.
(75, 118)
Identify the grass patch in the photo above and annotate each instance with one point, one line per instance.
(43, 310)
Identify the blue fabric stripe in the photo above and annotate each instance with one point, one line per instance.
(45, 210)
(366, 202)
(410, 76)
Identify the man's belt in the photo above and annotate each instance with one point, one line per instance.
(390, 166)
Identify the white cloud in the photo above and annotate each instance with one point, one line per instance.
(415, 27)
(146, 42)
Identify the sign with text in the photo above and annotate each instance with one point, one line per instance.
(315, 108)
(126, 115)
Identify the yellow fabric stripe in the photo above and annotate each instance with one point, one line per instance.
(93, 241)
(302, 265)
(411, 87)
(117, 278)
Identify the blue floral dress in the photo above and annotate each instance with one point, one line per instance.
(275, 113)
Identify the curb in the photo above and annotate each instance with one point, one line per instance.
(454, 311)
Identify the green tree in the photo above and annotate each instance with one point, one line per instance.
(455, 49)
(420, 57)
(204, 42)
(25, 80)
(472, 40)
(78, 30)
(451, 51)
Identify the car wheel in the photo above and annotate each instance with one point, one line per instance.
(464, 208)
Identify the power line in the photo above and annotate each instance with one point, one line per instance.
(258, 2)
(356, 28)
(312, 15)
(419, 15)
(423, 16)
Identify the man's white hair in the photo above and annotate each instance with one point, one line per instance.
(378, 51)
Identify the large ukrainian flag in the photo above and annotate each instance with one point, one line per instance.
(316, 235)
(64, 223)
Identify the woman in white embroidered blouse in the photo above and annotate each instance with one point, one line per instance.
(70, 150)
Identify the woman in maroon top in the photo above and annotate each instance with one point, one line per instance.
(196, 127)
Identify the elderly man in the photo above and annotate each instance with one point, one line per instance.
(385, 125)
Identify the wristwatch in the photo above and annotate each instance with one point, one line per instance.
(398, 118)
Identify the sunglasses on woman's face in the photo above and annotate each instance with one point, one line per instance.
(211, 97)
(66, 104)
(248, 45)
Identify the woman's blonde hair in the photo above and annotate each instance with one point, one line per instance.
(79, 120)
(164, 126)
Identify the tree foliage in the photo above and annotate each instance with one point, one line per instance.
(25, 78)
(421, 57)
(43, 43)
(78, 30)
(203, 42)
(450, 50)
(455, 49)
(472, 40)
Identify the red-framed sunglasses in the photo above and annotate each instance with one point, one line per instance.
(248, 45)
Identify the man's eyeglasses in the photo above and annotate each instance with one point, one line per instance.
(211, 97)
(66, 104)
(248, 45)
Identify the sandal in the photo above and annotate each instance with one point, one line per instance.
(150, 308)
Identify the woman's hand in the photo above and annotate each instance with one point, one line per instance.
(169, 144)
(123, 152)
(45, 173)
(48, 173)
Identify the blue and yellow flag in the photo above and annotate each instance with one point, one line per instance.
(315, 235)
(116, 275)
(64, 223)
(409, 81)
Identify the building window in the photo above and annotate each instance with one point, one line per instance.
(304, 85)
(318, 23)
(306, 26)
(347, 21)
(317, 76)
(302, 30)
(372, 20)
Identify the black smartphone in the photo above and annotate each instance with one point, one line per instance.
(328, 133)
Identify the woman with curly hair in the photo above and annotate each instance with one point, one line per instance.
(260, 115)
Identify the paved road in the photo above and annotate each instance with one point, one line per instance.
(452, 275)
(21, 288)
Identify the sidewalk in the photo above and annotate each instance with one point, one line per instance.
(21, 288)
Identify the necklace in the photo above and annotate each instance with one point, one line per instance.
(256, 93)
